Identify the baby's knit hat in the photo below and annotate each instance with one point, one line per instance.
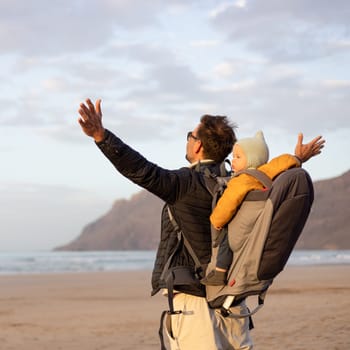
(255, 150)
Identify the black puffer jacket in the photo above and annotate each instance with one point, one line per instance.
(183, 190)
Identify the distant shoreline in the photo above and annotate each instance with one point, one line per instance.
(95, 261)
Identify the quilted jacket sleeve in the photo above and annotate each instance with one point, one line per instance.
(166, 184)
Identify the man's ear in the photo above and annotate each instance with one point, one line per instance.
(198, 147)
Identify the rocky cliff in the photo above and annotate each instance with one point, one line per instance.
(135, 224)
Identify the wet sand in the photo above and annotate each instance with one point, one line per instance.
(306, 308)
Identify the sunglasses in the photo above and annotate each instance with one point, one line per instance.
(189, 135)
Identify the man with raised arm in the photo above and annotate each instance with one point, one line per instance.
(195, 325)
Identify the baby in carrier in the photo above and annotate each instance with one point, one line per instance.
(248, 153)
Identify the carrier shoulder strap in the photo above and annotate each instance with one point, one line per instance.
(216, 183)
(169, 279)
(259, 175)
(180, 238)
(187, 244)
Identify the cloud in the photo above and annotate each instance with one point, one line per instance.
(138, 52)
(205, 43)
(144, 82)
(286, 30)
(58, 27)
(336, 84)
(224, 69)
(281, 96)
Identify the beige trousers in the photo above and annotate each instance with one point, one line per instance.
(202, 328)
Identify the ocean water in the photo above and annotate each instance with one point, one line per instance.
(63, 262)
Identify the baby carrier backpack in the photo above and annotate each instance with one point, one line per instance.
(261, 235)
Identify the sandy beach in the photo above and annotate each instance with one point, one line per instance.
(306, 308)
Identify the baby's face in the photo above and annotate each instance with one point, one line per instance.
(239, 160)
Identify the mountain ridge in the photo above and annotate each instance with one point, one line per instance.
(134, 224)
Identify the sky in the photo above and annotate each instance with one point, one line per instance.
(277, 66)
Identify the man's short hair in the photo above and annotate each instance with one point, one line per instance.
(217, 136)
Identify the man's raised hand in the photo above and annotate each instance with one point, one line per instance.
(90, 119)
